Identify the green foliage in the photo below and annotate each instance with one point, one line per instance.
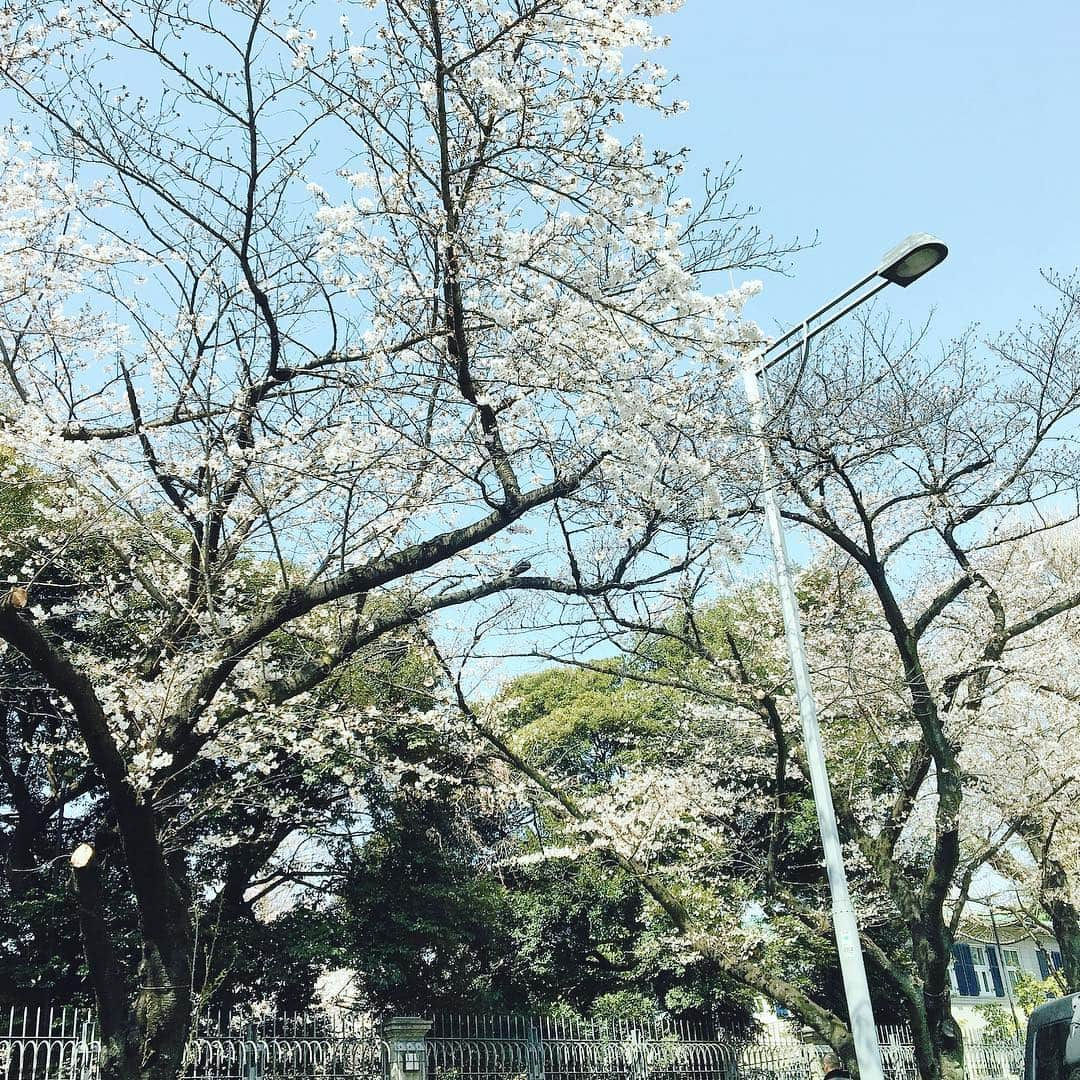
(41, 952)
(426, 921)
(740, 626)
(576, 925)
(624, 1005)
(419, 924)
(998, 1022)
(1031, 992)
(582, 722)
(19, 485)
(253, 961)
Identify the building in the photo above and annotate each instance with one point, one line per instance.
(989, 959)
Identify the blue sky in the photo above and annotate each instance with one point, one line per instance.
(868, 121)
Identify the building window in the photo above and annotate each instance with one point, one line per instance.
(982, 970)
(1013, 968)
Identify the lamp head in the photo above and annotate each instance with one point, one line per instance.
(911, 258)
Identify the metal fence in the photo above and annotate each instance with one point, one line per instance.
(340, 1047)
(795, 1059)
(48, 1044)
(537, 1055)
(62, 1044)
(518, 1026)
(470, 1047)
(993, 1058)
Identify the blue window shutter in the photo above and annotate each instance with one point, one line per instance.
(966, 982)
(995, 970)
(1044, 964)
(958, 969)
(1055, 959)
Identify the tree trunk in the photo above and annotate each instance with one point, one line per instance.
(1055, 896)
(938, 1058)
(163, 1013)
(1063, 917)
(144, 1028)
(1066, 922)
(926, 1057)
(163, 1002)
(939, 1044)
(119, 1054)
(946, 1042)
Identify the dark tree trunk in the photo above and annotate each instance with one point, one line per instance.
(144, 1030)
(927, 1053)
(1065, 920)
(163, 1000)
(939, 1044)
(163, 1011)
(1054, 895)
(119, 1054)
(144, 1017)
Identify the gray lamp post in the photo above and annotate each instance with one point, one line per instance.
(904, 264)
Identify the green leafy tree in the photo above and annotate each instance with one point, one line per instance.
(1031, 992)
(422, 924)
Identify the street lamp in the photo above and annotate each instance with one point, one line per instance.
(902, 265)
(911, 258)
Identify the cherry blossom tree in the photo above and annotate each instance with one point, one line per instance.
(663, 764)
(916, 472)
(312, 333)
(1026, 754)
(922, 481)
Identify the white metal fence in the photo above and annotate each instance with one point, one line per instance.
(989, 1059)
(633, 1058)
(48, 1044)
(492, 1047)
(794, 1059)
(62, 1044)
(319, 1047)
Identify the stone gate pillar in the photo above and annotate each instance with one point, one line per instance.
(405, 1047)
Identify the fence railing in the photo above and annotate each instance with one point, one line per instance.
(48, 1044)
(326, 1047)
(794, 1059)
(62, 1044)
(992, 1058)
(518, 1026)
(633, 1056)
